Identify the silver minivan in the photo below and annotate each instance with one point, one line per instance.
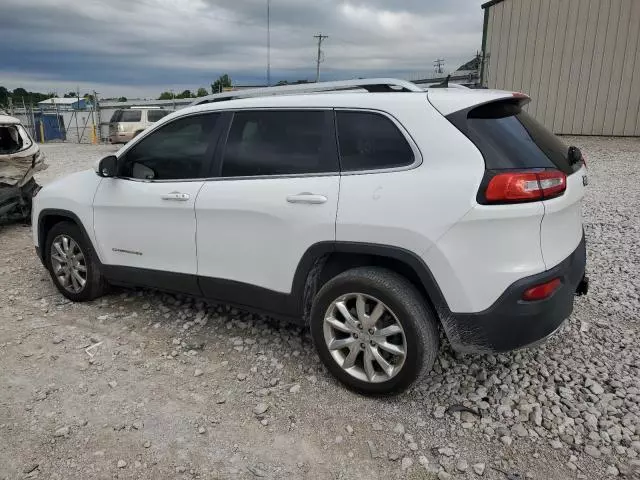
(127, 123)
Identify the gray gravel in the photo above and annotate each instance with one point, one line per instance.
(175, 388)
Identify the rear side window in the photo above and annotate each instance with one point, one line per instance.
(116, 116)
(279, 143)
(371, 141)
(130, 116)
(509, 138)
(155, 115)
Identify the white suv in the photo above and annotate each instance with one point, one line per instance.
(378, 217)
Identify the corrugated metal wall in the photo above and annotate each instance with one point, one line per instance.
(578, 59)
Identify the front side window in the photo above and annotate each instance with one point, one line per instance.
(279, 143)
(177, 150)
(370, 141)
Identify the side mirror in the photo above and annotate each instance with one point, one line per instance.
(108, 166)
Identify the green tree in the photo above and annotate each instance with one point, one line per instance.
(4, 96)
(18, 93)
(202, 92)
(185, 94)
(165, 96)
(71, 95)
(224, 81)
(286, 82)
(122, 99)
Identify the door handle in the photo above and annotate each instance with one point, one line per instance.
(306, 197)
(176, 196)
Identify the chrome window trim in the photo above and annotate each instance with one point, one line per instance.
(417, 154)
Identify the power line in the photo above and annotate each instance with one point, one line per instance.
(320, 38)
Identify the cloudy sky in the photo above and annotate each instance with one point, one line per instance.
(142, 47)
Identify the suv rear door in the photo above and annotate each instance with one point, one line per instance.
(274, 194)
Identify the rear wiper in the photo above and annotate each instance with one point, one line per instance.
(574, 156)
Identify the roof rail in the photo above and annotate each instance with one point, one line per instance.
(369, 84)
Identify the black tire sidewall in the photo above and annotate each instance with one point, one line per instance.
(415, 350)
(94, 280)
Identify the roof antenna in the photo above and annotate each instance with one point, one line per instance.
(444, 84)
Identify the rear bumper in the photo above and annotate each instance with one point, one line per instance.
(511, 323)
(120, 137)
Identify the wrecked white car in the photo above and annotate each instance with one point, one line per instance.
(20, 159)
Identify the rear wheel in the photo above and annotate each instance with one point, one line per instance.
(373, 331)
(72, 263)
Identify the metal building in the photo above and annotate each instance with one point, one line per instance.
(579, 60)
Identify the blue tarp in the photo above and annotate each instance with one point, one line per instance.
(53, 126)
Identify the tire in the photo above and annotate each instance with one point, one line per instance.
(95, 285)
(404, 306)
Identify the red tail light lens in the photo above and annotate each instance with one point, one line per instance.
(525, 186)
(542, 291)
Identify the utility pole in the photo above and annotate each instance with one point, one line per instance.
(268, 43)
(97, 124)
(76, 112)
(438, 64)
(319, 60)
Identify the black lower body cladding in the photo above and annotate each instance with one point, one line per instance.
(512, 323)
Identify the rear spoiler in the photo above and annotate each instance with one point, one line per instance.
(448, 101)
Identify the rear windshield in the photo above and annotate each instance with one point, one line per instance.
(126, 116)
(509, 138)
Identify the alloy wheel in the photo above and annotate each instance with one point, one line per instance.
(364, 337)
(68, 264)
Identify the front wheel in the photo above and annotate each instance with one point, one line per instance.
(373, 331)
(73, 264)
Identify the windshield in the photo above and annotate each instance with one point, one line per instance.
(10, 140)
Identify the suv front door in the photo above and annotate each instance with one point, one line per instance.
(144, 218)
(275, 195)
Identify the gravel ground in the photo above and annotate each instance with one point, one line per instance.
(146, 385)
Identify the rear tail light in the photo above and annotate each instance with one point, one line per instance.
(542, 291)
(513, 187)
